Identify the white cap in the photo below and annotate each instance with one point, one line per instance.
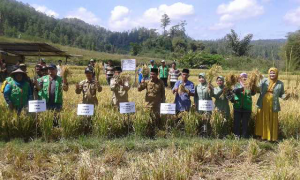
(163, 61)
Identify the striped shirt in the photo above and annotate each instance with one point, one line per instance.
(109, 71)
(174, 74)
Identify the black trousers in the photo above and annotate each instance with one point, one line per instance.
(241, 117)
(165, 80)
(172, 84)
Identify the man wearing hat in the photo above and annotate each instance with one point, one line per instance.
(152, 65)
(109, 71)
(17, 92)
(44, 70)
(89, 88)
(155, 94)
(164, 73)
(183, 90)
(51, 88)
(119, 87)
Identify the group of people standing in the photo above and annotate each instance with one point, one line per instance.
(270, 90)
(18, 89)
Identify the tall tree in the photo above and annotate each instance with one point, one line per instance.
(165, 21)
(239, 47)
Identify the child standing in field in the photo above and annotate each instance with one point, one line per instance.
(119, 87)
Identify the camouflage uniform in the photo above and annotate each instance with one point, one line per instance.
(120, 92)
(89, 90)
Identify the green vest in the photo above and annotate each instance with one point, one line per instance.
(44, 93)
(19, 96)
(163, 72)
(243, 100)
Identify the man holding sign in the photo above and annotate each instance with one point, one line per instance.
(183, 90)
(155, 94)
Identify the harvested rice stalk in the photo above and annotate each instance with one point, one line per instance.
(98, 67)
(230, 80)
(253, 80)
(213, 71)
(292, 93)
(125, 76)
(65, 72)
(182, 89)
(145, 71)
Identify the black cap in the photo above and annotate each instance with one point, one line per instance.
(118, 68)
(52, 66)
(44, 68)
(155, 70)
(88, 70)
(186, 71)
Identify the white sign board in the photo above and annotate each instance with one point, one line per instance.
(206, 105)
(127, 107)
(128, 64)
(85, 110)
(167, 108)
(37, 106)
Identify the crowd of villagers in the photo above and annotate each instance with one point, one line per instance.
(48, 84)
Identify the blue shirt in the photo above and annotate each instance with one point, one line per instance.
(183, 101)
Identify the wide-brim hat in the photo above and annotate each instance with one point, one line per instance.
(18, 71)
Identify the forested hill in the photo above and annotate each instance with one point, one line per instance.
(19, 19)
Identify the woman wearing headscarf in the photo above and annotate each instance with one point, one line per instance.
(242, 107)
(271, 89)
(221, 103)
(203, 91)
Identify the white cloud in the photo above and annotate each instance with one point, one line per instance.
(45, 10)
(120, 18)
(293, 17)
(85, 15)
(237, 10)
(177, 11)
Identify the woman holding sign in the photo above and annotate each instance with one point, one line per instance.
(203, 91)
(271, 90)
(221, 103)
(203, 100)
(242, 106)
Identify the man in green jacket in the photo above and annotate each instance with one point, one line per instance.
(164, 73)
(51, 89)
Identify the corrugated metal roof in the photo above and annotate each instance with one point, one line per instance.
(32, 49)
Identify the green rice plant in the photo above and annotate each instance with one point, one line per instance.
(109, 123)
(253, 151)
(220, 126)
(46, 124)
(290, 126)
(192, 123)
(70, 124)
(142, 123)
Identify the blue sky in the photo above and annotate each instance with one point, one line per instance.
(206, 19)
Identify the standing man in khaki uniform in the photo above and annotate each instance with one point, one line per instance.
(89, 88)
(155, 94)
(119, 87)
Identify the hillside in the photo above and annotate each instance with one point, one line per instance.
(86, 54)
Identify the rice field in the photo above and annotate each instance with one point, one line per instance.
(115, 146)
